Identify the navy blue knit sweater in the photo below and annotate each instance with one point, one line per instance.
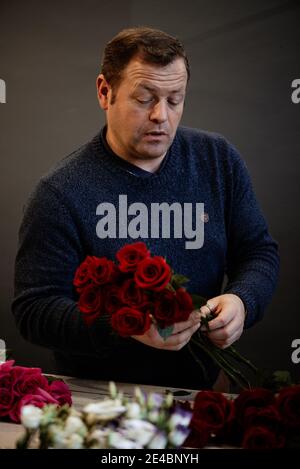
(64, 222)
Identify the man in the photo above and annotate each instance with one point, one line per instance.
(142, 160)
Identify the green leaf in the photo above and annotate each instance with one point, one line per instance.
(52, 378)
(178, 280)
(165, 332)
(198, 301)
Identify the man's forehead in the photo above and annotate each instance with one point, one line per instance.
(149, 75)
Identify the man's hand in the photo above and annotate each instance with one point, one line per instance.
(181, 335)
(228, 326)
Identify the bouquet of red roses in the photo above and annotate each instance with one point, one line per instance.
(20, 386)
(139, 290)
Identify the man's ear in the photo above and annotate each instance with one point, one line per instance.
(103, 91)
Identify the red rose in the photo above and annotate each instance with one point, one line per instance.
(39, 399)
(288, 404)
(112, 299)
(148, 308)
(27, 380)
(91, 303)
(131, 255)
(132, 295)
(197, 438)
(153, 273)
(166, 309)
(258, 398)
(6, 400)
(102, 270)
(262, 417)
(128, 321)
(185, 303)
(60, 391)
(82, 275)
(6, 367)
(211, 410)
(262, 438)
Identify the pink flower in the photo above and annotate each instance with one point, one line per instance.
(27, 380)
(6, 401)
(39, 399)
(61, 392)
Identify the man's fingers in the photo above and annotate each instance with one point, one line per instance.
(178, 339)
(193, 320)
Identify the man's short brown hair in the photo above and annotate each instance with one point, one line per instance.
(151, 45)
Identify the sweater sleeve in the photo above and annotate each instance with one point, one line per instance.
(252, 256)
(44, 303)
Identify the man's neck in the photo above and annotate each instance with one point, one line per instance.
(150, 165)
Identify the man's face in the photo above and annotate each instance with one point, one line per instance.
(148, 105)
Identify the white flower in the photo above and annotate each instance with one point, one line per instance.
(159, 441)
(140, 431)
(154, 415)
(154, 400)
(31, 416)
(74, 424)
(98, 437)
(57, 436)
(74, 441)
(178, 435)
(112, 389)
(105, 410)
(118, 441)
(133, 410)
(180, 417)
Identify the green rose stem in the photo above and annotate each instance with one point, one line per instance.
(235, 354)
(199, 362)
(23, 443)
(217, 356)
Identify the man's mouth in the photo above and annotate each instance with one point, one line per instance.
(156, 133)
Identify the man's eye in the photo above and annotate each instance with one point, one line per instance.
(174, 102)
(145, 101)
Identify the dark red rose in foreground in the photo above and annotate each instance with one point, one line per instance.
(82, 275)
(153, 274)
(112, 299)
(197, 438)
(102, 270)
(212, 410)
(288, 404)
(262, 438)
(132, 295)
(131, 255)
(263, 417)
(91, 303)
(185, 304)
(128, 321)
(6, 401)
(258, 398)
(166, 309)
(39, 399)
(27, 380)
(61, 392)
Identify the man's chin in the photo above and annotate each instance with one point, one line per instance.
(152, 152)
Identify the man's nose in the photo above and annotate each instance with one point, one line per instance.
(159, 113)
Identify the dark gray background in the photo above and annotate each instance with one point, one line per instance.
(244, 56)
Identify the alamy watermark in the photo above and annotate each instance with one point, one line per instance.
(2, 91)
(2, 351)
(296, 353)
(159, 220)
(295, 96)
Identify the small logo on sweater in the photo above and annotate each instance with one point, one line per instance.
(155, 220)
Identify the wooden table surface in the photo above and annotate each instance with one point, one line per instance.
(84, 391)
